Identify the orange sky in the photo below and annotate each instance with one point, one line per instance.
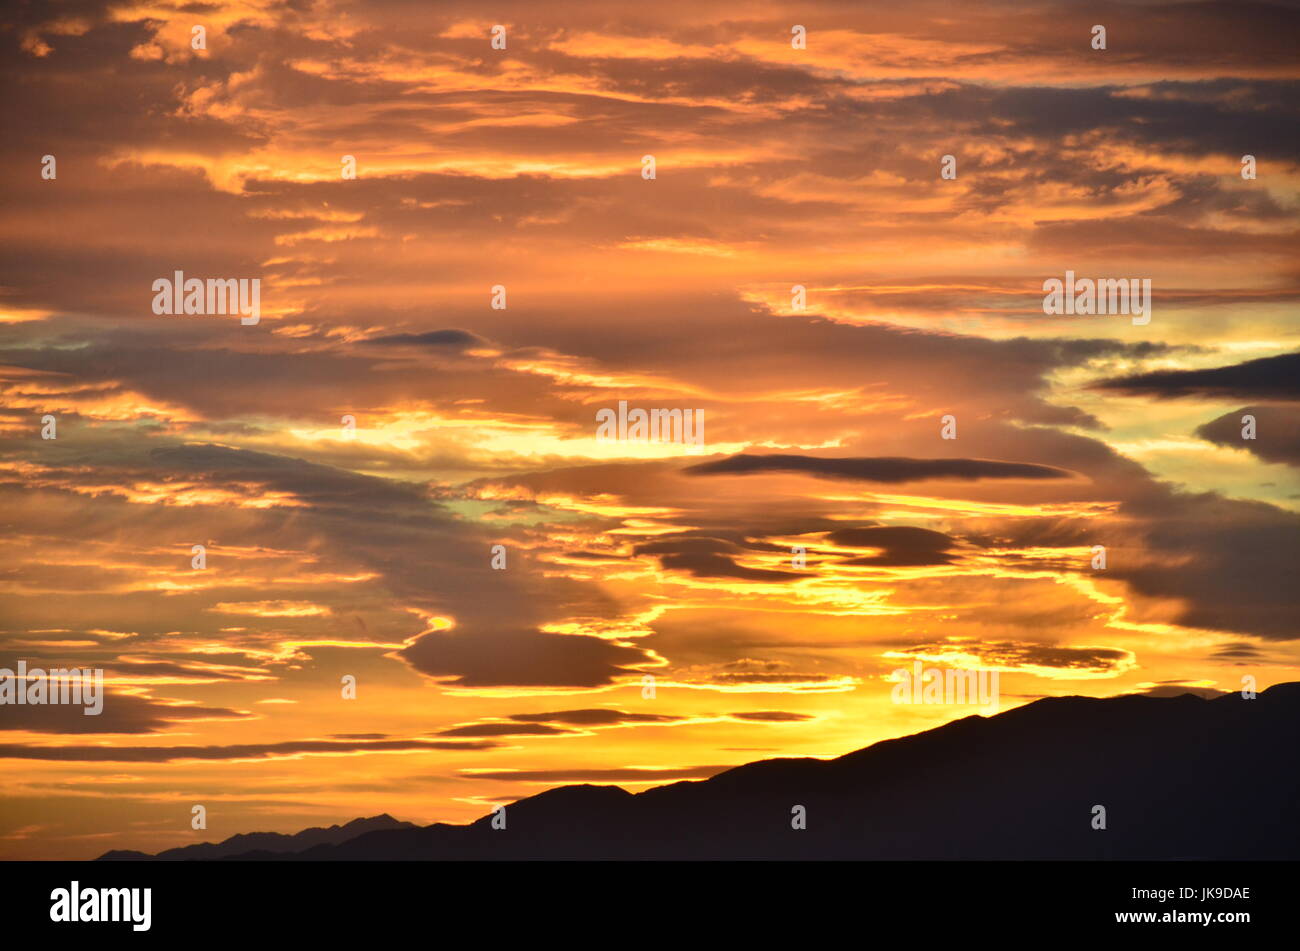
(334, 552)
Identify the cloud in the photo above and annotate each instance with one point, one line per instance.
(901, 545)
(773, 716)
(505, 729)
(121, 713)
(521, 658)
(705, 557)
(246, 751)
(594, 717)
(1227, 564)
(432, 338)
(1012, 655)
(1277, 433)
(754, 677)
(312, 482)
(880, 469)
(1266, 378)
(1238, 651)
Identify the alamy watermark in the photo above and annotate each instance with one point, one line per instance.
(58, 686)
(654, 425)
(103, 904)
(181, 295)
(945, 686)
(1086, 297)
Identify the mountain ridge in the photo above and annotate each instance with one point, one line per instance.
(1179, 777)
(264, 842)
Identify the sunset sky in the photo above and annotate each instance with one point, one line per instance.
(368, 553)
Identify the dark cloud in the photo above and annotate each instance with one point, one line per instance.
(718, 566)
(121, 713)
(705, 557)
(1200, 118)
(1095, 659)
(157, 668)
(1009, 654)
(505, 729)
(762, 678)
(902, 545)
(168, 754)
(592, 556)
(313, 482)
(880, 469)
(593, 717)
(1238, 651)
(1277, 433)
(1228, 563)
(773, 716)
(1266, 378)
(432, 338)
(521, 658)
(687, 545)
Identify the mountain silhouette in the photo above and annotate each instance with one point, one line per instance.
(1179, 778)
(266, 843)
